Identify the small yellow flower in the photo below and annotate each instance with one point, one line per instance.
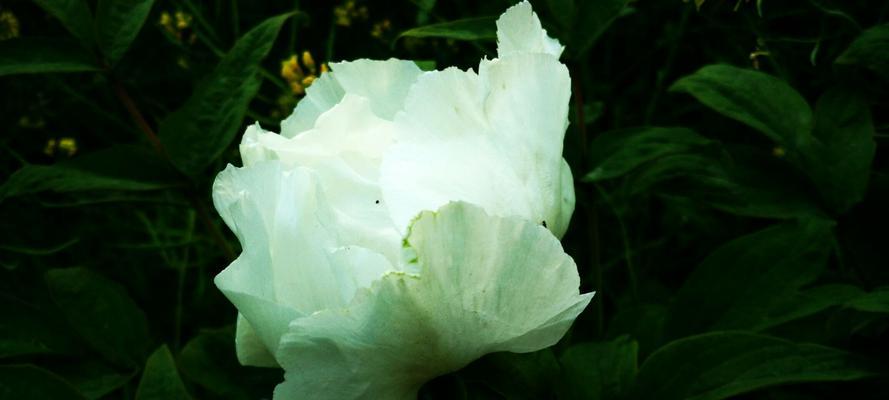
(309, 62)
(65, 145)
(178, 25)
(50, 147)
(344, 13)
(297, 78)
(183, 20)
(9, 25)
(68, 145)
(380, 28)
(779, 152)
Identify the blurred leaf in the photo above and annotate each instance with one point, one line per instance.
(205, 125)
(835, 150)
(102, 313)
(26, 330)
(613, 154)
(514, 375)
(209, 360)
(591, 19)
(29, 382)
(808, 302)
(718, 365)
(481, 28)
(839, 159)
(642, 322)
(93, 379)
(74, 15)
(875, 301)
(118, 22)
(870, 50)
(161, 379)
(40, 55)
(679, 162)
(737, 285)
(602, 370)
(426, 65)
(120, 167)
(757, 99)
(752, 182)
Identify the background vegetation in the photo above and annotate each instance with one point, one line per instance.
(732, 190)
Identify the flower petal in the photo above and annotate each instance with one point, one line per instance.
(292, 264)
(250, 349)
(519, 31)
(385, 83)
(345, 149)
(485, 284)
(493, 139)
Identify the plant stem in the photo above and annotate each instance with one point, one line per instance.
(196, 201)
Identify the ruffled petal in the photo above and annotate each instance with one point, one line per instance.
(519, 31)
(345, 149)
(493, 139)
(249, 347)
(384, 82)
(485, 284)
(292, 264)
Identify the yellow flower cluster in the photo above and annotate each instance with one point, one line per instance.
(344, 13)
(297, 77)
(64, 145)
(380, 28)
(178, 25)
(9, 25)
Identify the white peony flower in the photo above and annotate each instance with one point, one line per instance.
(392, 232)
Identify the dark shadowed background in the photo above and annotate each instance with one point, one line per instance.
(732, 190)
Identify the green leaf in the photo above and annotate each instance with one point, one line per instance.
(737, 285)
(74, 15)
(679, 162)
(870, 50)
(602, 370)
(102, 313)
(481, 28)
(616, 153)
(592, 18)
(643, 322)
(209, 360)
(839, 158)
(719, 365)
(120, 167)
(93, 379)
(117, 24)
(515, 376)
(40, 55)
(757, 99)
(875, 301)
(161, 379)
(753, 182)
(26, 330)
(30, 382)
(205, 125)
(808, 302)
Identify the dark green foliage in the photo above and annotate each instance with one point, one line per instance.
(464, 29)
(87, 300)
(40, 55)
(160, 379)
(732, 191)
(205, 125)
(117, 24)
(719, 365)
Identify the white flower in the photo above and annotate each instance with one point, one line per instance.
(392, 232)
